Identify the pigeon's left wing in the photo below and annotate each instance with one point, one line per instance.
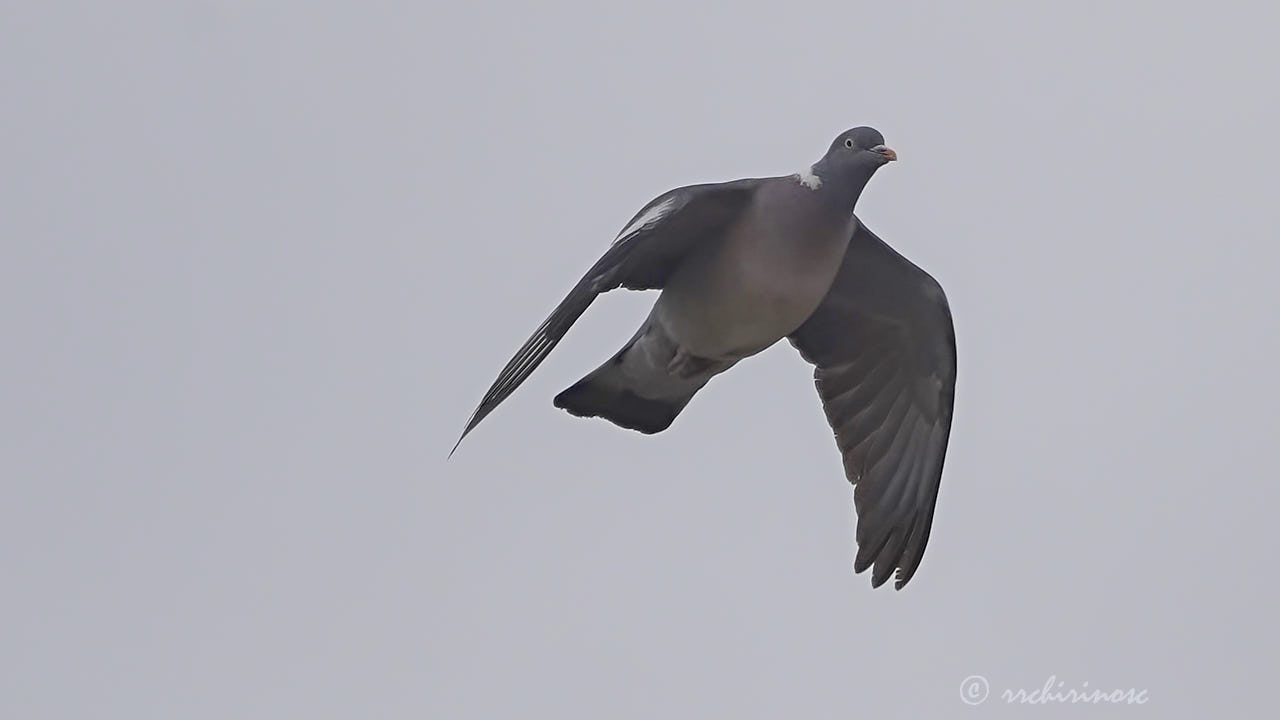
(642, 257)
(885, 355)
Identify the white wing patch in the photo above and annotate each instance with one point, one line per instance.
(647, 219)
(809, 179)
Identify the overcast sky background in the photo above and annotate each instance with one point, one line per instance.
(260, 262)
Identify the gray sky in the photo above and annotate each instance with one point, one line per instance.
(260, 263)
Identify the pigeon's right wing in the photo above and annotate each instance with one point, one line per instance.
(642, 257)
(884, 351)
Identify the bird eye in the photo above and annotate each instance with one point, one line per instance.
(848, 142)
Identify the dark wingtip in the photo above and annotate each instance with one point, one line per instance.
(869, 550)
(476, 417)
(901, 577)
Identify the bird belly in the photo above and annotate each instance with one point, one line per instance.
(737, 301)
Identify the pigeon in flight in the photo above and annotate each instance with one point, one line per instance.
(742, 265)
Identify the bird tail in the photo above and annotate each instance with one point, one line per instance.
(595, 396)
(635, 388)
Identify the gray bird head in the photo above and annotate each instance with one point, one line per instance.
(852, 159)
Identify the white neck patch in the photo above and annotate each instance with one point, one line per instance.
(808, 178)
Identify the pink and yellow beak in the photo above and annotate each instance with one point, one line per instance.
(887, 152)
